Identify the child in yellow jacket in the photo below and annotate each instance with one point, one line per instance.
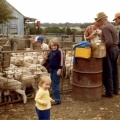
(43, 99)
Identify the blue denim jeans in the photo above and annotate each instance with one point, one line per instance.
(55, 85)
(43, 114)
(110, 72)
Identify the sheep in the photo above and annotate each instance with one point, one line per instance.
(26, 64)
(37, 68)
(9, 96)
(12, 67)
(16, 86)
(26, 80)
(71, 74)
(68, 63)
(19, 61)
(12, 60)
(10, 83)
(40, 58)
(28, 59)
(23, 70)
(17, 54)
(3, 80)
(97, 38)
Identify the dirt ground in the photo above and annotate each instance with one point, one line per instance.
(104, 109)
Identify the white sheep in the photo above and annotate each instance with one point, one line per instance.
(68, 63)
(3, 80)
(37, 68)
(12, 67)
(97, 37)
(40, 58)
(26, 80)
(9, 96)
(10, 83)
(28, 59)
(19, 61)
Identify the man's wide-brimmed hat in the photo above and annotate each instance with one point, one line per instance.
(100, 16)
(116, 16)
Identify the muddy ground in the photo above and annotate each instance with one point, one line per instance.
(104, 109)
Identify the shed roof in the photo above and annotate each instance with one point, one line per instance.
(29, 19)
(25, 18)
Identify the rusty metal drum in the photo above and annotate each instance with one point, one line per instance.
(87, 79)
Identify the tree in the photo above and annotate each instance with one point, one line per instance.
(5, 12)
(68, 31)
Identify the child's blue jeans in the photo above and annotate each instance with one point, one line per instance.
(43, 114)
(55, 85)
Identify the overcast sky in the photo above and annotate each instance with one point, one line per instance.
(62, 11)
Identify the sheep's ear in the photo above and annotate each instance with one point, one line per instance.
(5, 72)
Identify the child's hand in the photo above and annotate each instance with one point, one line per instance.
(59, 72)
(52, 100)
(45, 103)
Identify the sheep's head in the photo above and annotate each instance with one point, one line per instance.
(98, 32)
(18, 75)
(19, 61)
(28, 59)
(9, 74)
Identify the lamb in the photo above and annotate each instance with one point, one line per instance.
(19, 61)
(17, 87)
(7, 97)
(26, 80)
(17, 54)
(68, 63)
(71, 74)
(10, 83)
(12, 60)
(37, 68)
(28, 59)
(3, 80)
(97, 37)
(40, 58)
(10, 96)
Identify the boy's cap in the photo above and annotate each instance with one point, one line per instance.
(116, 16)
(38, 39)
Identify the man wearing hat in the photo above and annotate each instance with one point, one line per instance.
(110, 69)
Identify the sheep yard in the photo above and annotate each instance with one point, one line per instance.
(11, 103)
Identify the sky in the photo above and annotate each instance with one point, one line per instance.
(62, 11)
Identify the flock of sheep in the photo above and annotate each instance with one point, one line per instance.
(24, 72)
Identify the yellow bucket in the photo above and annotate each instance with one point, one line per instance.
(82, 52)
